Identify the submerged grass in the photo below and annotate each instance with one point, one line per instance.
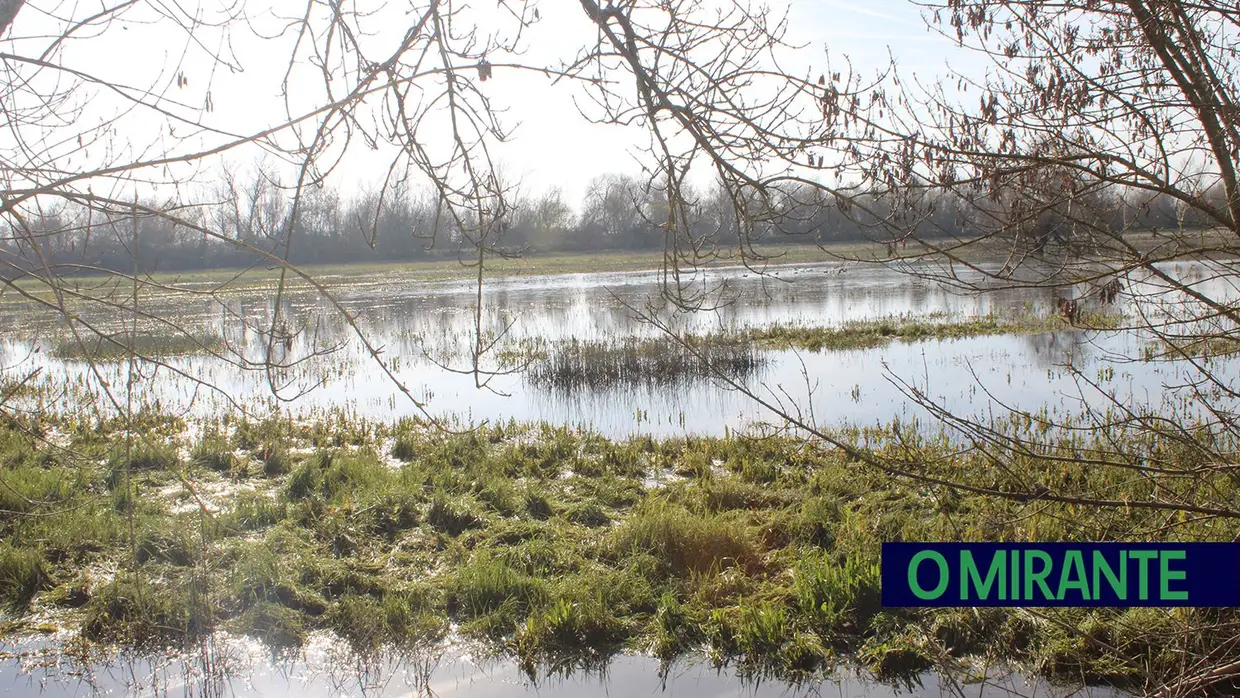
(575, 365)
(552, 546)
(868, 334)
(1204, 348)
(120, 346)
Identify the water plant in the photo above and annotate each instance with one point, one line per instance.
(575, 365)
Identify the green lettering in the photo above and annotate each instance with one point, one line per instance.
(1143, 576)
(1166, 575)
(1118, 584)
(1015, 580)
(1073, 564)
(1039, 577)
(944, 575)
(970, 573)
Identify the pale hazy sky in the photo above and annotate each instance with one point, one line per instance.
(552, 145)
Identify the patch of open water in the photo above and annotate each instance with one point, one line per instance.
(241, 667)
(426, 331)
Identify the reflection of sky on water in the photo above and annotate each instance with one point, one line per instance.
(241, 668)
(414, 321)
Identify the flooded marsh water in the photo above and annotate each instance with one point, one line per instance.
(237, 667)
(427, 333)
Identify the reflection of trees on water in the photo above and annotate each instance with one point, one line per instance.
(691, 406)
(443, 322)
(1054, 350)
(222, 668)
(411, 322)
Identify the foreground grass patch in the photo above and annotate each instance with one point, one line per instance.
(552, 546)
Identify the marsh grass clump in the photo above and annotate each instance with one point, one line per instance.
(493, 596)
(306, 480)
(32, 486)
(254, 510)
(538, 505)
(23, 574)
(149, 614)
(17, 448)
(588, 514)
(685, 542)
(584, 628)
(674, 630)
(335, 475)
(173, 546)
(577, 365)
(402, 619)
(281, 569)
(119, 346)
(275, 459)
(250, 435)
(762, 630)
(276, 625)
(452, 516)
(405, 448)
(212, 451)
(148, 456)
(837, 599)
(868, 334)
(394, 512)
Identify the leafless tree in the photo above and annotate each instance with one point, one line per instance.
(1086, 106)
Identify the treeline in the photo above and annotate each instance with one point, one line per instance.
(618, 212)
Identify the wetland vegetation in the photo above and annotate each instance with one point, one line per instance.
(878, 332)
(379, 399)
(679, 536)
(122, 346)
(554, 547)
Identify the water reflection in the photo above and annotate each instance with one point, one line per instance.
(239, 667)
(422, 327)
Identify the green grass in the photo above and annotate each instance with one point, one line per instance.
(116, 347)
(603, 364)
(22, 575)
(213, 452)
(548, 545)
(687, 543)
(1212, 347)
(868, 334)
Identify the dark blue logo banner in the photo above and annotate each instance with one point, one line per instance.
(1061, 574)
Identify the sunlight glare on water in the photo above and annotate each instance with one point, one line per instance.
(428, 329)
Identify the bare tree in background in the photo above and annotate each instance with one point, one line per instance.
(82, 135)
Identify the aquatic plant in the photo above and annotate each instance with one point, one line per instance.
(867, 334)
(576, 365)
(99, 347)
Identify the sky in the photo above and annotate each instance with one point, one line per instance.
(551, 144)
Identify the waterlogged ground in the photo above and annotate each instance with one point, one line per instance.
(179, 556)
(426, 331)
(745, 565)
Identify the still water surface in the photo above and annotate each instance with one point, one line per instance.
(426, 331)
(235, 667)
